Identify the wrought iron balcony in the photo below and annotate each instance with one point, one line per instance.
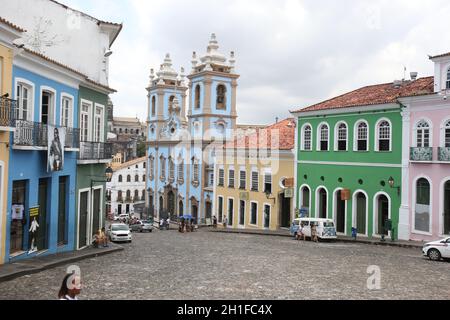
(421, 154)
(35, 134)
(8, 112)
(444, 154)
(95, 151)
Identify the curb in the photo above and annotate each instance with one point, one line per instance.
(51, 265)
(386, 244)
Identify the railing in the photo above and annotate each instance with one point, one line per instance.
(95, 151)
(444, 154)
(421, 154)
(8, 112)
(34, 134)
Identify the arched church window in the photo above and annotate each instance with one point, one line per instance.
(221, 97)
(197, 97)
(153, 106)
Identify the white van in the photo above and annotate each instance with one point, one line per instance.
(325, 227)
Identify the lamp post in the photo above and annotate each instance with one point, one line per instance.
(391, 182)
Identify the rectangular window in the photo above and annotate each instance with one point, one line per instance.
(221, 177)
(254, 213)
(47, 107)
(211, 179)
(255, 181)
(196, 171)
(84, 122)
(98, 123)
(447, 138)
(181, 171)
(62, 211)
(23, 99)
(220, 209)
(231, 178)
(242, 180)
(268, 183)
(66, 116)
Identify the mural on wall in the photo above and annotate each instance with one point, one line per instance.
(40, 37)
(56, 139)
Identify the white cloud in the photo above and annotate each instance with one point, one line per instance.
(290, 53)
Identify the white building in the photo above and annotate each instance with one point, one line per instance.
(127, 187)
(63, 29)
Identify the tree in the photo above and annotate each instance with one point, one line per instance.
(141, 149)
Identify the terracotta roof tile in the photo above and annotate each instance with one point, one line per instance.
(12, 25)
(376, 94)
(279, 136)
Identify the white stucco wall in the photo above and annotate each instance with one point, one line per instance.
(80, 43)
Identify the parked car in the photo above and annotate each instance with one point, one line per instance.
(141, 226)
(122, 217)
(437, 250)
(325, 228)
(119, 232)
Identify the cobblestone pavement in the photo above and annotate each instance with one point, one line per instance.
(205, 265)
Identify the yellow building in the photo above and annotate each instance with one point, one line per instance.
(254, 177)
(8, 113)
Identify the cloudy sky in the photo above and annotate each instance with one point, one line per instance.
(290, 53)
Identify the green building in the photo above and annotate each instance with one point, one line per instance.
(349, 153)
(94, 156)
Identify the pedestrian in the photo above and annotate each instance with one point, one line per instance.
(70, 287)
(314, 232)
(181, 227)
(300, 234)
(225, 222)
(168, 223)
(104, 238)
(161, 224)
(192, 225)
(214, 222)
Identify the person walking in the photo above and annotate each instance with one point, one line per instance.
(314, 232)
(168, 223)
(70, 287)
(214, 222)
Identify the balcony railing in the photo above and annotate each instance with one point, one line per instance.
(95, 151)
(35, 134)
(8, 112)
(444, 154)
(421, 154)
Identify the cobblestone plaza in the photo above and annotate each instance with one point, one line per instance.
(166, 265)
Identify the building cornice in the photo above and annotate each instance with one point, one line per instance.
(347, 110)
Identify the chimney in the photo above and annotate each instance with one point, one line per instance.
(397, 83)
(414, 76)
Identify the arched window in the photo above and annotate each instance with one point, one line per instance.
(128, 178)
(341, 137)
(307, 138)
(143, 195)
(119, 196)
(221, 97)
(136, 178)
(171, 99)
(163, 168)
(324, 134)
(128, 195)
(136, 195)
(143, 178)
(448, 79)
(153, 106)
(422, 210)
(423, 134)
(362, 137)
(384, 136)
(181, 171)
(447, 134)
(120, 178)
(132, 131)
(195, 171)
(197, 97)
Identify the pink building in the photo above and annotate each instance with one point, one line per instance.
(425, 210)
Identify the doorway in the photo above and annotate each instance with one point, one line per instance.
(340, 212)
(447, 208)
(83, 224)
(266, 216)
(62, 211)
(97, 212)
(322, 203)
(195, 213)
(208, 208)
(47, 108)
(382, 214)
(171, 203)
(242, 213)
(44, 215)
(360, 213)
(17, 230)
(230, 211)
(285, 213)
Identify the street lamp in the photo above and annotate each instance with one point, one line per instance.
(391, 184)
(108, 177)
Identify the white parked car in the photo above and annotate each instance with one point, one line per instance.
(121, 217)
(437, 250)
(119, 232)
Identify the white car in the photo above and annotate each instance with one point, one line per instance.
(122, 217)
(437, 250)
(119, 232)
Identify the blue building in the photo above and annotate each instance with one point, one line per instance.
(181, 147)
(41, 217)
